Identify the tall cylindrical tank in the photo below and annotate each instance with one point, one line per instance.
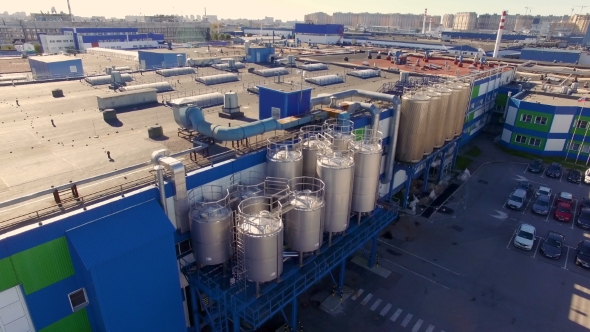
(310, 137)
(463, 100)
(304, 223)
(412, 127)
(210, 225)
(338, 133)
(451, 121)
(434, 117)
(336, 169)
(284, 160)
(441, 130)
(367, 160)
(260, 238)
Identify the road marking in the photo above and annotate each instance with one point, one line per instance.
(527, 206)
(367, 299)
(419, 275)
(407, 320)
(574, 213)
(510, 241)
(396, 315)
(385, 310)
(357, 294)
(550, 207)
(400, 249)
(566, 256)
(526, 169)
(538, 242)
(430, 328)
(417, 325)
(376, 304)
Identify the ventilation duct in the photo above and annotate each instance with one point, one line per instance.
(366, 73)
(325, 80)
(217, 79)
(229, 65)
(160, 87)
(271, 72)
(202, 101)
(314, 67)
(106, 79)
(175, 71)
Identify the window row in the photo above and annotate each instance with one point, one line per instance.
(538, 120)
(64, 40)
(527, 140)
(581, 124)
(573, 146)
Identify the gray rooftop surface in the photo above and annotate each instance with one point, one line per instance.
(54, 58)
(35, 155)
(555, 99)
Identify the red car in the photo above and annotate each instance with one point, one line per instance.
(565, 197)
(563, 212)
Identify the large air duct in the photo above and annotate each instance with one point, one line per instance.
(374, 110)
(393, 130)
(499, 35)
(164, 162)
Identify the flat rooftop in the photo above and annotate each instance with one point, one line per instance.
(54, 58)
(35, 155)
(554, 98)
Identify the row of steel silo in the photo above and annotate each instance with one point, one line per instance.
(429, 118)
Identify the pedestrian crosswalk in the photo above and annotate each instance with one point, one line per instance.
(405, 319)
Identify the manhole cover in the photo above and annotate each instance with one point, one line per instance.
(457, 228)
(482, 182)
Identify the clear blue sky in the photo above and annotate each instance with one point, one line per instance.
(290, 9)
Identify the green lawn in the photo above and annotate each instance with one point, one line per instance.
(548, 160)
(462, 163)
(474, 152)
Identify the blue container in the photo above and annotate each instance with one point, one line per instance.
(290, 103)
(55, 67)
(156, 59)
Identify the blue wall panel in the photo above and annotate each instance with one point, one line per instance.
(319, 29)
(549, 55)
(156, 60)
(290, 103)
(43, 70)
(50, 304)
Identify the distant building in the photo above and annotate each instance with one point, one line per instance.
(81, 39)
(318, 18)
(448, 21)
(523, 22)
(328, 34)
(465, 21)
(581, 23)
(50, 17)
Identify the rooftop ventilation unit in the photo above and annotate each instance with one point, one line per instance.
(160, 87)
(325, 80)
(365, 73)
(217, 79)
(229, 65)
(175, 71)
(271, 72)
(314, 67)
(106, 79)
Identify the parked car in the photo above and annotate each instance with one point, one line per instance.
(546, 191)
(536, 166)
(583, 220)
(585, 203)
(516, 199)
(583, 254)
(565, 197)
(574, 176)
(525, 237)
(563, 212)
(587, 176)
(554, 170)
(542, 205)
(553, 245)
(526, 186)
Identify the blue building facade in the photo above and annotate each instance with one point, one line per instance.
(150, 60)
(550, 55)
(121, 38)
(55, 67)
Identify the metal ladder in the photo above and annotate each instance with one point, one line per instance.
(239, 257)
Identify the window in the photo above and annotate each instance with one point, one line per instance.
(78, 299)
(586, 148)
(520, 139)
(526, 118)
(581, 124)
(574, 146)
(183, 247)
(540, 120)
(535, 142)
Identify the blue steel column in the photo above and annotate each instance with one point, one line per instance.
(443, 156)
(455, 153)
(195, 307)
(236, 322)
(427, 170)
(294, 319)
(341, 279)
(410, 174)
(373, 252)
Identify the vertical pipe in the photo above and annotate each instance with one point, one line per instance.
(358, 220)
(427, 170)
(257, 289)
(443, 156)
(195, 309)
(301, 259)
(161, 187)
(373, 252)
(236, 322)
(499, 35)
(455, 153)
(410, 175)
(424, 21)
(329, 239)
(341, 279)
(294, 320)
(507, 103)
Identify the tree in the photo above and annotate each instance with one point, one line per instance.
(215, 36)
(37, 48)
(227, 36)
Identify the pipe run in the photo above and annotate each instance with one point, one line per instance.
(393, 131)
(372, 108)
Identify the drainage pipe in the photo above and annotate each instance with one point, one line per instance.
(393, 131)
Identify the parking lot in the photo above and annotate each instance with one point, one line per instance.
(463, 273)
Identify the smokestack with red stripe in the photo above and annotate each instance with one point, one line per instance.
(430, 25)
(424, 22)
(499, 35)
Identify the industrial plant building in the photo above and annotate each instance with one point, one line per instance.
(328, 34)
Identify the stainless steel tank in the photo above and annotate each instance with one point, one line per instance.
(367, 165)
(304, 223)
(412, 127)
(434, 117)
(248, 184)
(462, 105)
(284, 160)
(336, 169)
(310, 137)
(339, 133)
(453, 113)
(210, 225)
(260, 238)
(441, 129)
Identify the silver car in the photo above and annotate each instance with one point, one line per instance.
(517, 199)
(541, 205)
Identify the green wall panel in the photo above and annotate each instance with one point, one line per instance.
(76, 322)
(8, 277)
(580, 131)
(475, 91)
(531, 125)
(501, 99)
(43, 265)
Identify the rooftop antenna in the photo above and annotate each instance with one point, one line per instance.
(499, 35)
(424, 22)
